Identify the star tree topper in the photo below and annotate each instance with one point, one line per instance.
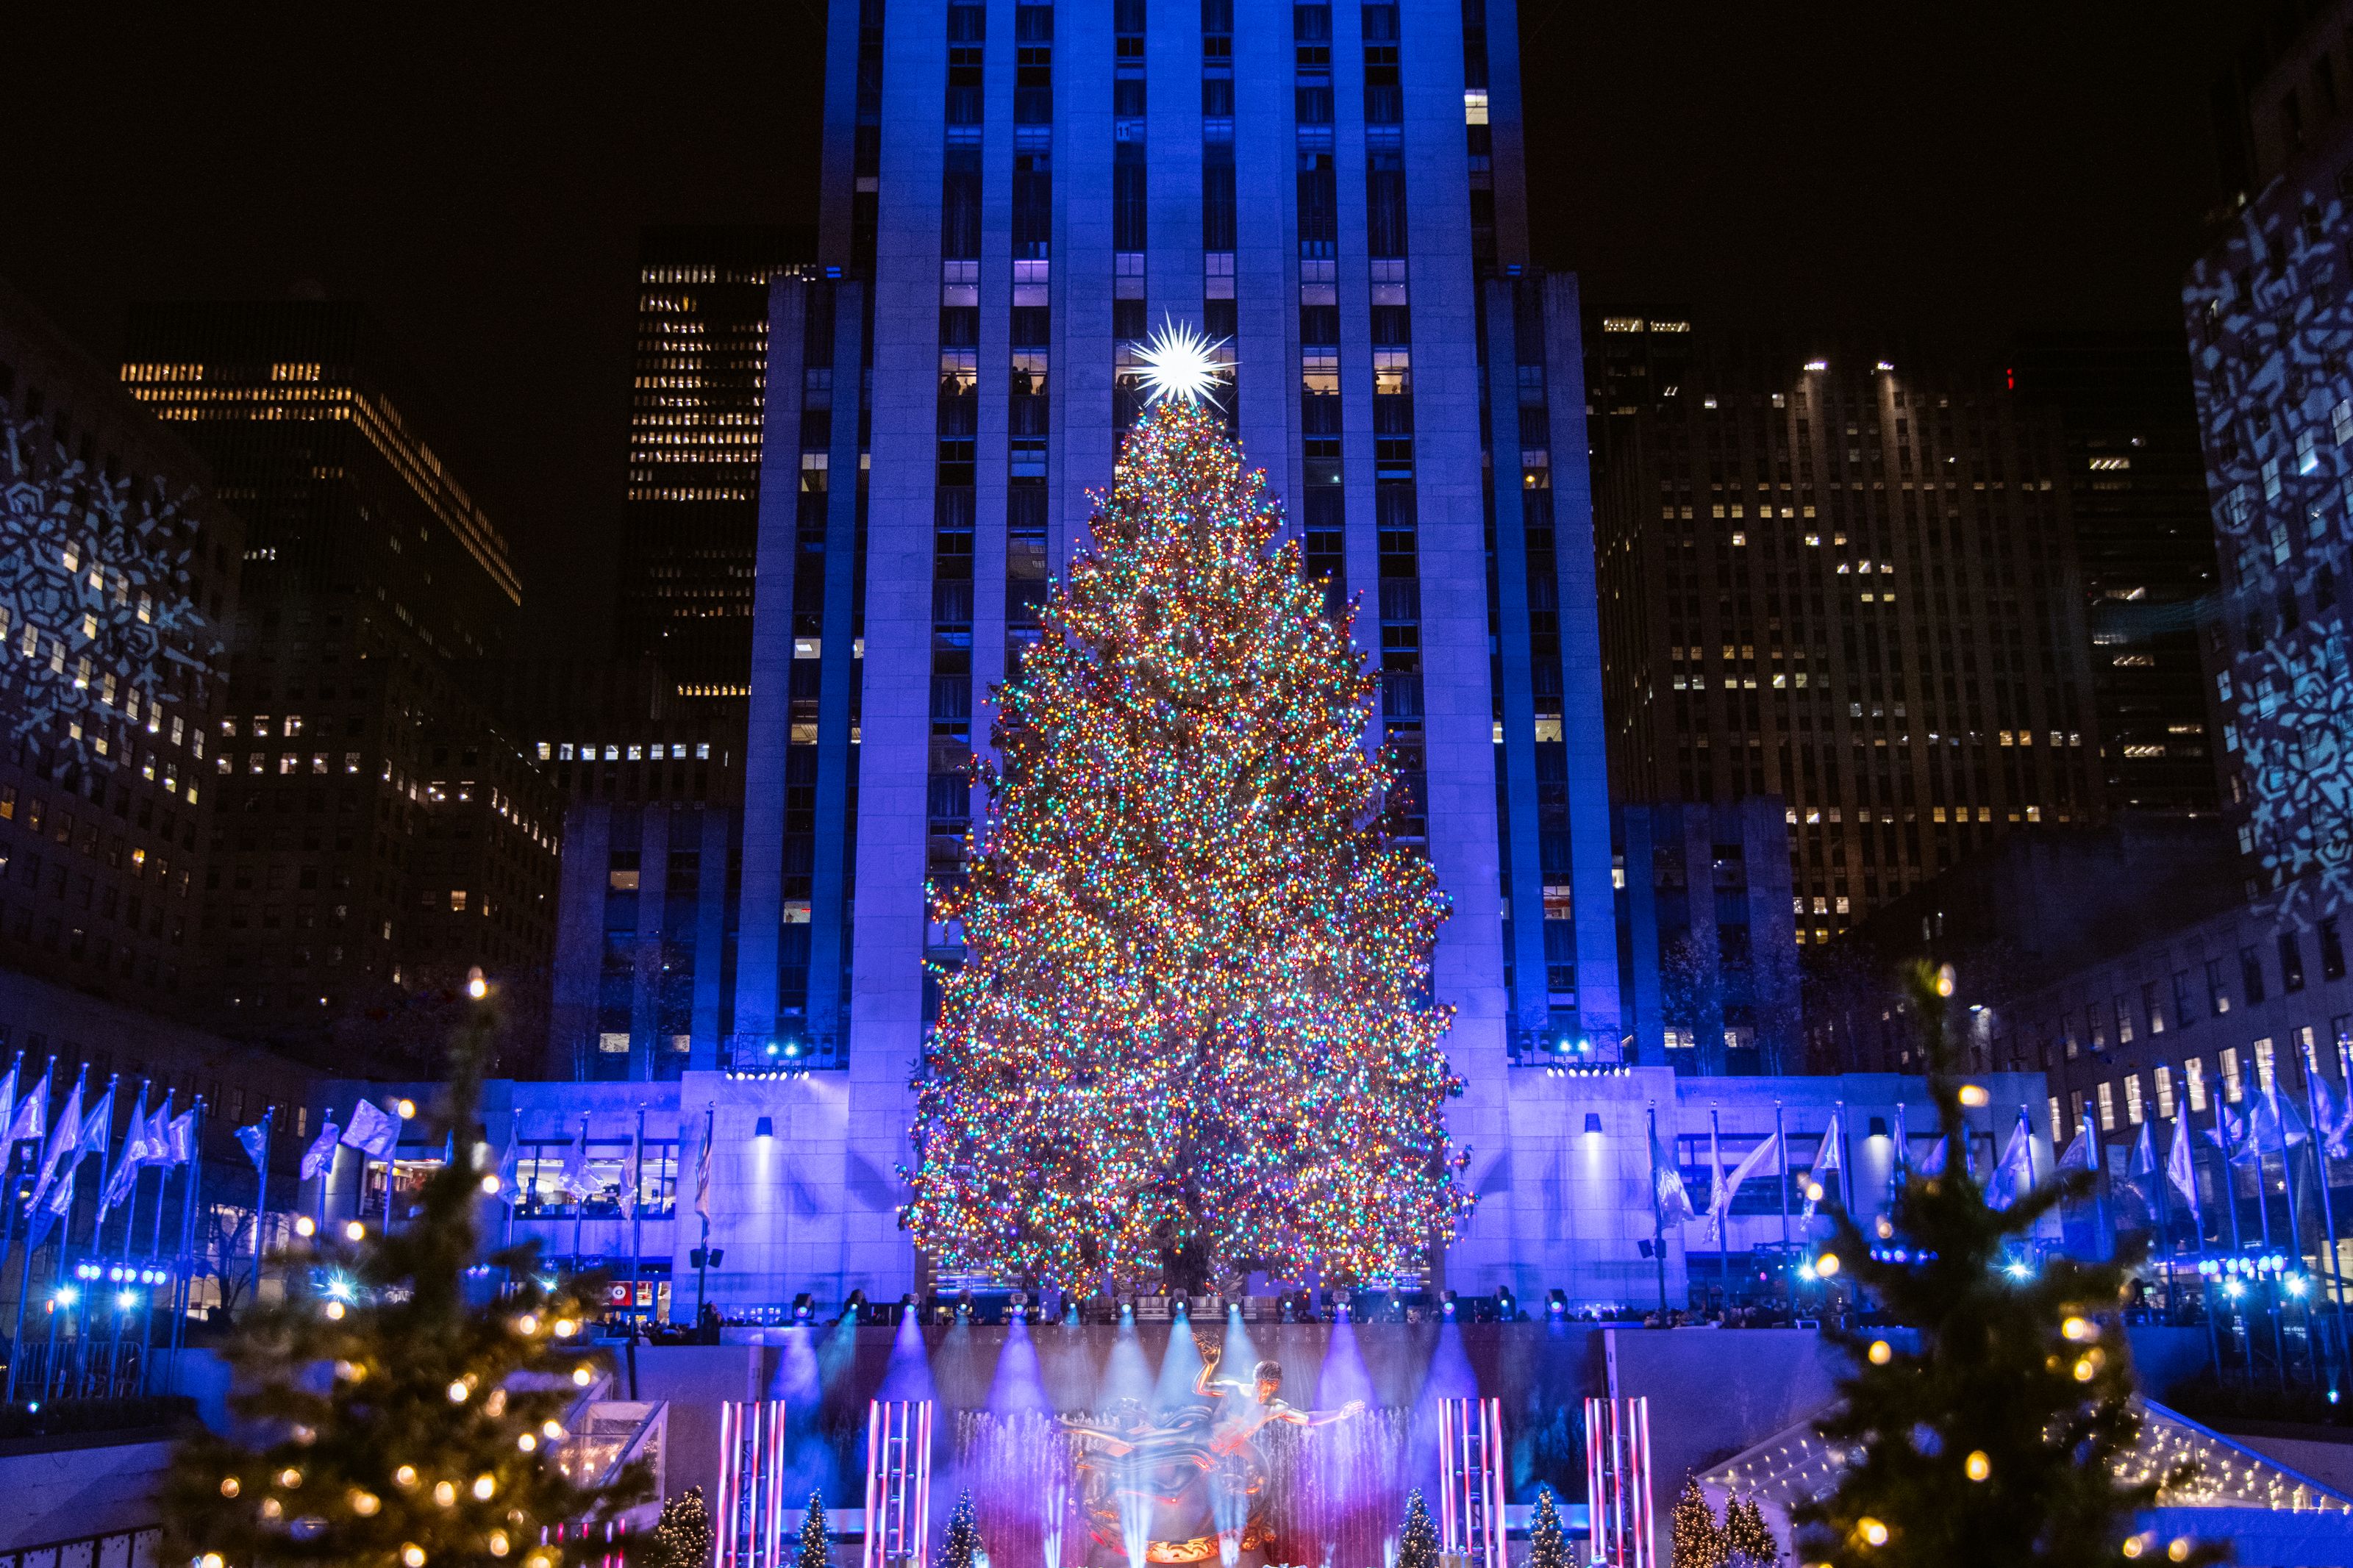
(1181, 364)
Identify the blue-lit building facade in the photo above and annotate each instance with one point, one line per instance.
(1014, 196)
(2269, 318)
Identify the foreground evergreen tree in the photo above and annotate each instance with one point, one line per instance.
(816, 1553)
(1996, 1441)
(683, 1538)
(1418, 1542)
(1748, 1539)
(1694, 1539)
(1548, 1544)
(962, 1548)
(401, 1427)
(1192, 1034)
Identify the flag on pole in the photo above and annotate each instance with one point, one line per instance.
(1826, 1158)
(1667, 1185)
(2015, 1171)
(2179, 1168)
(319, 1157)
(373, 1130)
(1714, 1178)
(632, 1173)
(98, 1127)
(180, 1139)
(255, 1142)
(507, 1165)
(31, 1117)
(158, 1136)
(576, 1181)
(128, 1163)
(1750, 1163)
(2325, 1125)
(1932, 1163)
(8, 1094)
(45, 1213)
(2232, 1136)
(702, 1175)
(2079, 1155)
(65, 1139)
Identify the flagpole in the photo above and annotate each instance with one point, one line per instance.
(1717, 1204)
(98, 1220)
(580, 1199)
(24, 1293)
(183, 1294)
(2295, 1219)
(1846, 1161)
(1781, 1173)
(8, 1156)
(2198, 1223)
(1658, 1224)
(2160, 1170)
(636, 1214)
(2229, 1187)
(1899, 1166)
(261, 1197)
(703, 1207)
(2328, 1206)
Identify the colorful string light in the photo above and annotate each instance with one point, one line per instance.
(1194, 1019)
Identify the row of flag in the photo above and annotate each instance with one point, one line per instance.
(157, 1138)
(2012, 1175)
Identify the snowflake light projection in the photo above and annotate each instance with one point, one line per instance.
(2272, 335)
(98, 630)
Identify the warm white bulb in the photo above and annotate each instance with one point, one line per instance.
(1180, 364)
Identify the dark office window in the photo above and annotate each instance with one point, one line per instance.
(2291, 957)
(1218, 196)
(2332, 950)
(1127, 209)
(2251, 974)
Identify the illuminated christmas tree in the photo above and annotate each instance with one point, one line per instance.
(684, 1536)
(1748, 1539)
(1418, 1542)
(1193, 1035)
(383, 1419)
(1548, 1545)
(816, 1553)
(1998, 1439)
(963, 1548)
(1695, 1540)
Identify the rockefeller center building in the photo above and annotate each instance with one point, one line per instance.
(1015, 197)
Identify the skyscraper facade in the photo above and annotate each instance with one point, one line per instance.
(692, 521)
(2143, 538)
(120, 586)
(1015, 196)
(1844, 579)
(2270, 315)
(376, 831)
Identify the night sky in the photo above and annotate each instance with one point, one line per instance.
(479, 180)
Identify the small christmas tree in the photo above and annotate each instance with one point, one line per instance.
(683, 1538)
(814, 1551)
(1418, 1542)
(963, 1548)
(385, 1421)
(1998, 1439)
(1192, 1035)
(1547, 1546)
(1697, 1542)
(1748, 1539)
